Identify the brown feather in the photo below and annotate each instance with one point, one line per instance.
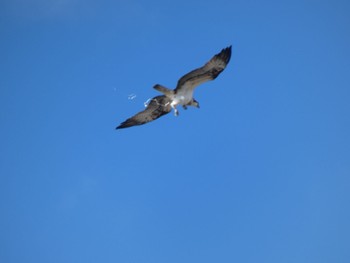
(209, 71)
(157, 107)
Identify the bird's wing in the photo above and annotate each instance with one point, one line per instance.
(157, 107)
(209, 71)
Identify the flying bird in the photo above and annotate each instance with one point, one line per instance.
(182, 94)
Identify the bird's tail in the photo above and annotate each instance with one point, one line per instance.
(167, 92)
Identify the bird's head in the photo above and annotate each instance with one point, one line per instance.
(195, 103)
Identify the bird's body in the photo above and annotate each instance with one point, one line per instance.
(183, 93)
(182, 97)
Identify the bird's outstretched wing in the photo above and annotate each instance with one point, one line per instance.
(209, 71)
(157, 107)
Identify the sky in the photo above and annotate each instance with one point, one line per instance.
(260, 173)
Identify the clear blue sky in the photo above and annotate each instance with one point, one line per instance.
(260, 173)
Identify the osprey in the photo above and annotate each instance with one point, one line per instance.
(182, 94)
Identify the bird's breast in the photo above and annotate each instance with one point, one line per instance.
(183, 98)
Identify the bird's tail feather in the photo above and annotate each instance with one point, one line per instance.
(167, 92)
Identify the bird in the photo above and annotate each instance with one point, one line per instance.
(183, 93)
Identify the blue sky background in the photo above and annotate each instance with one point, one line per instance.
(260, 173)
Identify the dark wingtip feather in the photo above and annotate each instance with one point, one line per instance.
(121, 126)
(226, 54)
(126, 124)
